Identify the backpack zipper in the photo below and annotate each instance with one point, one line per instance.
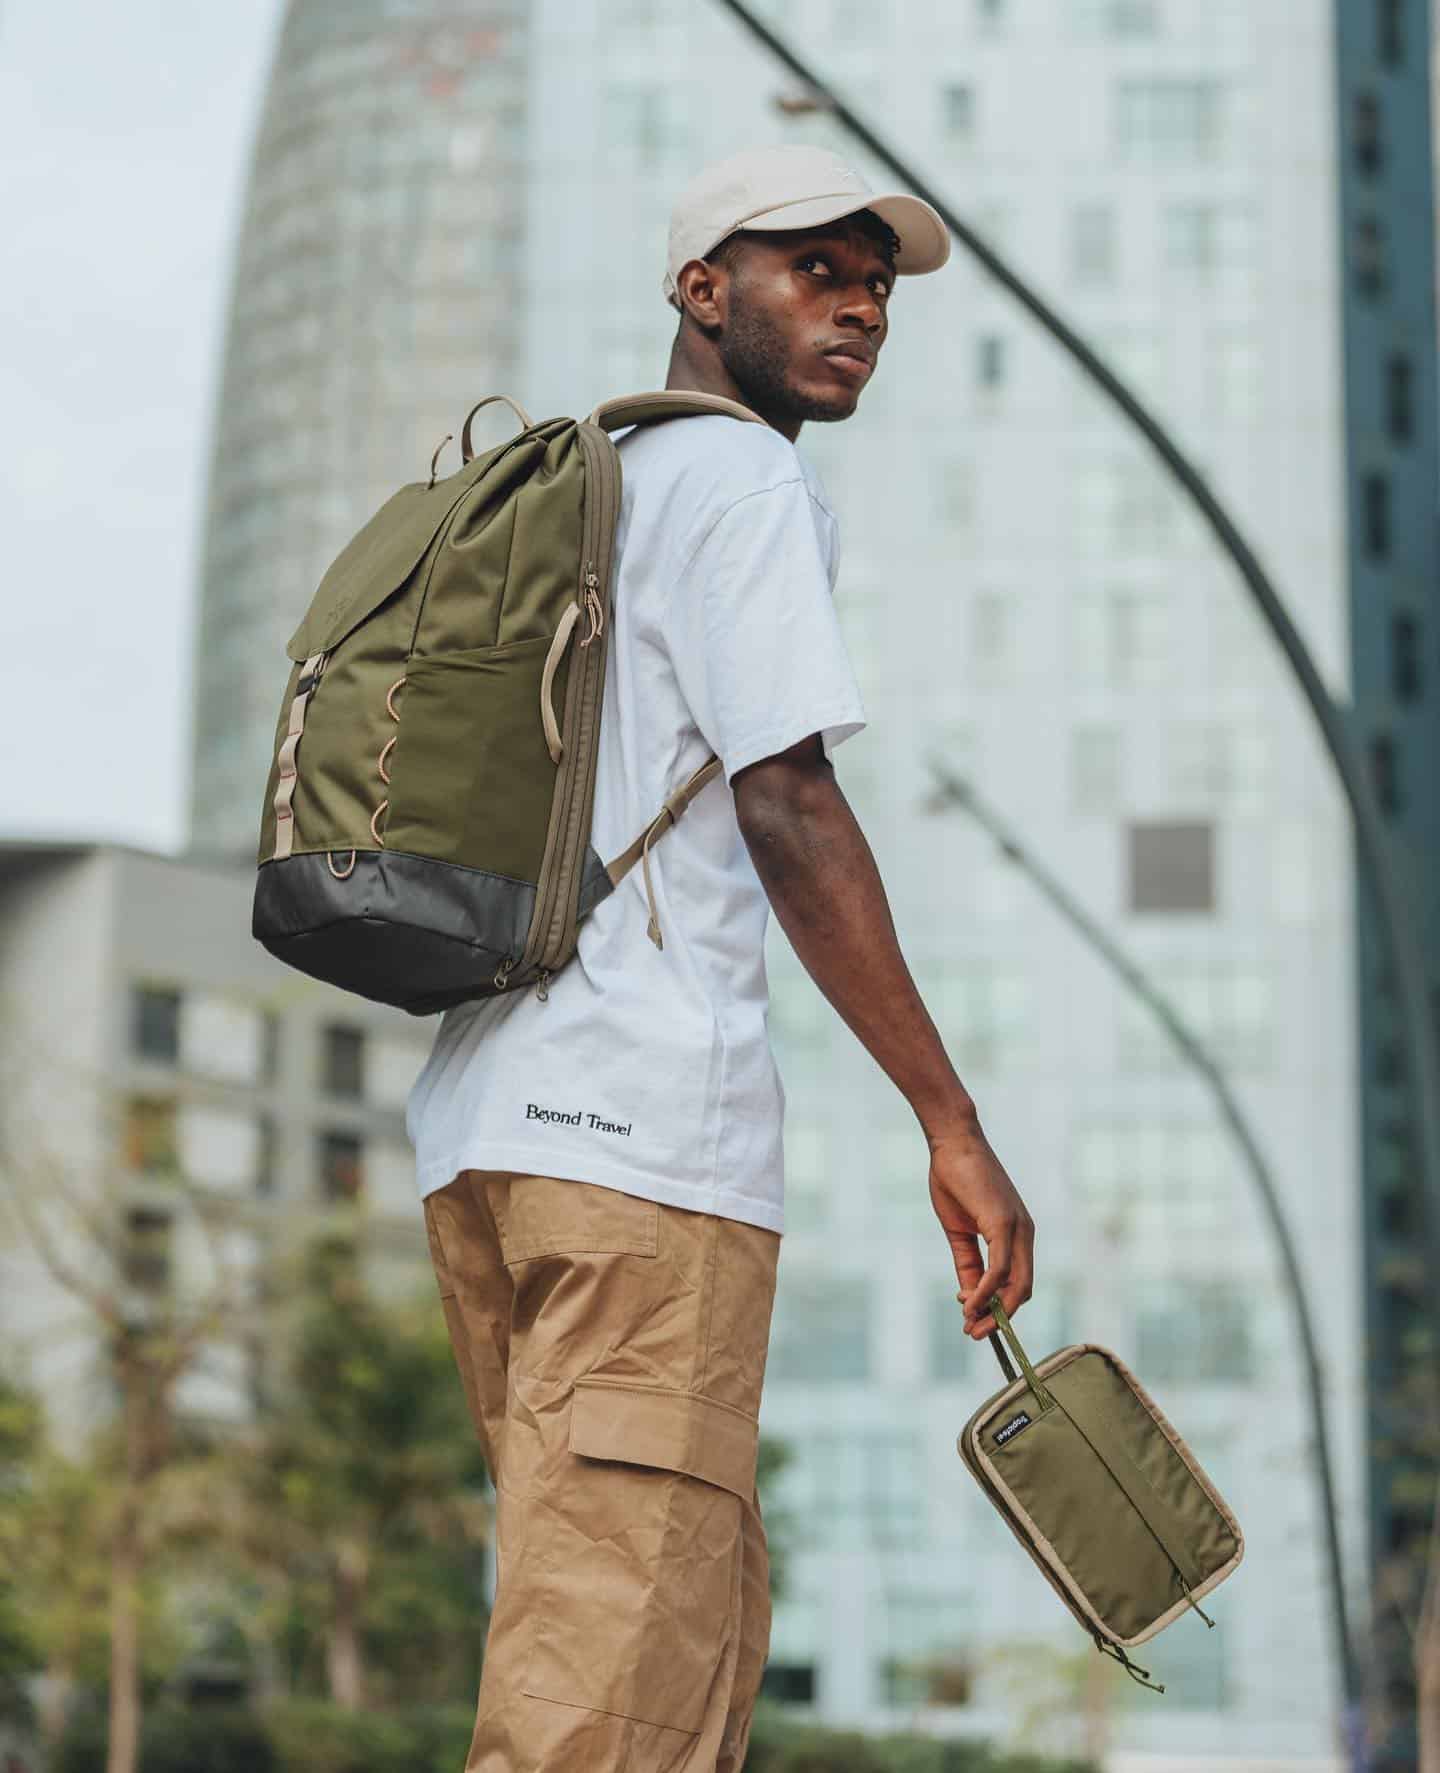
(601, 498)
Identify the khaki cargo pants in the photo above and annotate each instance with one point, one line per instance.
(613, 1353)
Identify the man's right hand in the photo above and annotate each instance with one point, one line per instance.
(974, 1199)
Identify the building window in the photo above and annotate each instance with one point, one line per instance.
(984, 1014)
(151, 1143)
(1193, 1332)
(265, 1159)
(1400, 398)
(1219, 766)
(1385, 771)
(1190, 237)
(1369, 258)
(1162, 1187)
(822, 1331)
(220, 1148)
(857, 1483)
(957, 113)
(1390, 32)
(990, 361)
(146, 1255)
(342, 1167)
(1170, 120)
(1095, 763)
(1405, 657)
(1230, 1009)
(789, 1683)
(955, 491)
(223, 1039)
(344, 1061)
(1172, 866)
(1375, 510)
(1123, 505)
(1121, 638)
(1369, 145)
(1202, 239)
(928, 1637)
(991, 634)
(391, 1067)
(1115, 18)
(634, 15)
(155, 1023)
(1092, 244)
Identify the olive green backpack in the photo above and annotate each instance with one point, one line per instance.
(1101, 1491)
(425, 837)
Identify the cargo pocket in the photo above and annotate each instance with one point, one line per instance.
(470, 760)
(551, 1216)
(641, 1530)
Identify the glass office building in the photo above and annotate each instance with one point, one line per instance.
(1026, 599)
(377, 283)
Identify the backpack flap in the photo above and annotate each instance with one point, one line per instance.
(376, 562)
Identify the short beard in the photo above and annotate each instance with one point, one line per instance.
(752, 348)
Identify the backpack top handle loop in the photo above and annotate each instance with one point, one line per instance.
(665, 403)
(466, 453)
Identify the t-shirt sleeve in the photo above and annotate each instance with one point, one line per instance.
(753, 634)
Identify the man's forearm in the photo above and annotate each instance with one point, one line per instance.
(821, 879)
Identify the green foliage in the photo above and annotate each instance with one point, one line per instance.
(314, 1737)
(175, 1740)
(311, 1736)
(774, 1456)
(778, 1745)
(364, 1469)
(19, 1442)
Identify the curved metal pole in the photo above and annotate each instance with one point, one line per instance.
(1399, 930)
(956, 789)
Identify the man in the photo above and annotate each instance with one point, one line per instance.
(602, 1169)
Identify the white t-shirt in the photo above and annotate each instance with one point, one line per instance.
(650, 1070)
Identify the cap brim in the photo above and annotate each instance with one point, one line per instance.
(924, 238)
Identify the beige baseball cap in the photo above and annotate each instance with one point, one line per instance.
(794, 186)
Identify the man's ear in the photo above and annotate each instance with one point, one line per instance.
(702, 289)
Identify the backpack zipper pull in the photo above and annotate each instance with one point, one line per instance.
(503, 972)
(593, 606)
(542, 985)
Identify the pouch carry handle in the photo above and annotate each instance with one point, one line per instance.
(1043, 1398)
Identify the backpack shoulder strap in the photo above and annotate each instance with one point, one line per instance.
(639, 851)
(665, 403)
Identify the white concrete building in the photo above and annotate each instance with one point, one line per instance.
(155, 1054)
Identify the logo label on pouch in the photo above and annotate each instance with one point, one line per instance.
(1011, 1429)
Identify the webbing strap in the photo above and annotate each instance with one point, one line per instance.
(1157, 1514)
(1042, 1397)
(639, 851)
(285, 760)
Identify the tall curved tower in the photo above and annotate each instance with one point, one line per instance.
(375, 293)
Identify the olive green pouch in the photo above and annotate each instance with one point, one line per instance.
(1105, 1496)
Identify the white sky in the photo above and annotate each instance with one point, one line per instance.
(125, 136)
